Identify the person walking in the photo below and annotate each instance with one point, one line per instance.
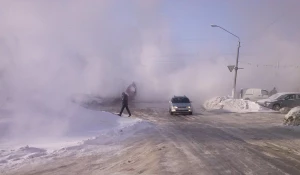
(124, 104)
(242, 93)
(273, 91)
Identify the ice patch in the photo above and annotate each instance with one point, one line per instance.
(16, 156)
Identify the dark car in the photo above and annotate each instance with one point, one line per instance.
(281, 100)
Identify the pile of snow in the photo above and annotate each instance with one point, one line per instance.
(27, 135)
(215, 103)
(233, 105)
(293, 117)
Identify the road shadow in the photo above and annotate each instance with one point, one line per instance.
(197, 113)
(219, 111)
(211, 132)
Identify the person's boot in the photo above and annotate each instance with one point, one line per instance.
(129, 115)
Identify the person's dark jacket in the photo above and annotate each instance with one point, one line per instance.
(273, 91)
(124, 99)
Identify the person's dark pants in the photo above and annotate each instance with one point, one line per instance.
(125, 106)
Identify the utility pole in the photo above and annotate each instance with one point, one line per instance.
(277, 74)
(236, 70)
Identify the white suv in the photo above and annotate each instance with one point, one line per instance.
(180, 105)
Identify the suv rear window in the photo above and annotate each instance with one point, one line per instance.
(180, 100)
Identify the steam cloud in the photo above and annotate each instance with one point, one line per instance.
(50, 50)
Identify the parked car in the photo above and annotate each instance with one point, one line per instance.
(86, 99)
(180, 105)
(281, 100)
(254, 94)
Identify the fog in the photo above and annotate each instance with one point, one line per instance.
(50, 50)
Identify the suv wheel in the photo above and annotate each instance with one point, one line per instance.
(276, 107)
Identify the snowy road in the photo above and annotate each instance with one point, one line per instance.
(205, 143)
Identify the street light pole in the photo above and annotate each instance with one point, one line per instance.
(237, 60)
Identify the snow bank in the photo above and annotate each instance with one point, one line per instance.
(233, 105)
(293, 117)
(214, 103)
(29, 134)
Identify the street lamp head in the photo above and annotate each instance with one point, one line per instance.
(213, 25)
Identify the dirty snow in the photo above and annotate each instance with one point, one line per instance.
(233, 105)
(25, 137)
(293, 117)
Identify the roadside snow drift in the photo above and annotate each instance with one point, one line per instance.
(293, 117)
(43, 133)
(233, 105)
(214, 103)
